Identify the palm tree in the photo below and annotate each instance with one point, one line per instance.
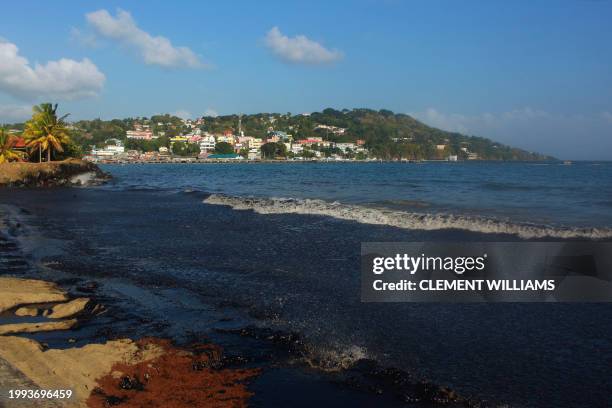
(7, 144)
(45, 131)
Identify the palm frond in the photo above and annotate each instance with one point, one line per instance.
(45, 130)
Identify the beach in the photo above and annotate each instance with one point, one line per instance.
(120, 371)
(277, 288)
(358, 204)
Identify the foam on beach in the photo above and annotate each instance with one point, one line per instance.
(402, 219)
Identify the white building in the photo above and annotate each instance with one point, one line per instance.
(207, 143)
(109, 151)
(346, 146)
(255, 143)
(226, 139)
(334, 129)
(254, 155)
(139, 134)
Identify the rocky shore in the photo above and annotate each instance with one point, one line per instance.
(70, 172)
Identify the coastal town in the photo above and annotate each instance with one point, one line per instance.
(197, 145)
(330, 136)
(229, 145)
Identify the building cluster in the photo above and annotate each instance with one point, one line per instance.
(115, 151)
(242, 146)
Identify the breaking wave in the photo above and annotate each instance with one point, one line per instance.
(402, 219)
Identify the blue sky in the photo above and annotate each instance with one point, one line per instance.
(534, 74)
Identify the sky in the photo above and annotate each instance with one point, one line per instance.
(532, 74)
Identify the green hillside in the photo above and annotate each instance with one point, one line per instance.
(387, 134)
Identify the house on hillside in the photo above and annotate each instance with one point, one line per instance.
(20, 144)
(207, 143)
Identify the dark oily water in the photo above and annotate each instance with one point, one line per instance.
(300, 273)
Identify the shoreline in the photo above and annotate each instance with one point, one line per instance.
(246, 161)
(140, 297)
(40, 348)
(365, 380)
(128, 372)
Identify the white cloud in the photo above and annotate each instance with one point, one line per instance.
(14, 113)
(61, 79)
(299, 49)
(154, 50)
(88, 39)
(571, 136)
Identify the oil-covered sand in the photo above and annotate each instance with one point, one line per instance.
(88, 336)
(280, 294)
(148, 372)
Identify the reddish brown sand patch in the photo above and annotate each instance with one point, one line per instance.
(177, 378)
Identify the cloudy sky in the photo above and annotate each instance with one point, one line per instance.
(531, 74)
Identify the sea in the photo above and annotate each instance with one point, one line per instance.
(204, 249)
(542, 194)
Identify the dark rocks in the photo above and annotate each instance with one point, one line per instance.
(131, 383)
(290, 342)
(70, 172)
(112, 400)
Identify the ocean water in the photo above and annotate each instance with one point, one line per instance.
(279, 246)
(531, 200)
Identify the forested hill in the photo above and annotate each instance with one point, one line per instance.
(387, 134)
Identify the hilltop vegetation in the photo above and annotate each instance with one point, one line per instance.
(387, 135)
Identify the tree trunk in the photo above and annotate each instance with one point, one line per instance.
(49, 154)
(39, 154)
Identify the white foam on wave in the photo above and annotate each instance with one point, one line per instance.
(405, 220)
(84, 179)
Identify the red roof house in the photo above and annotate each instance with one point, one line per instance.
(20, 143)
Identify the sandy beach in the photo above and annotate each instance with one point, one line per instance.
(124, 371)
